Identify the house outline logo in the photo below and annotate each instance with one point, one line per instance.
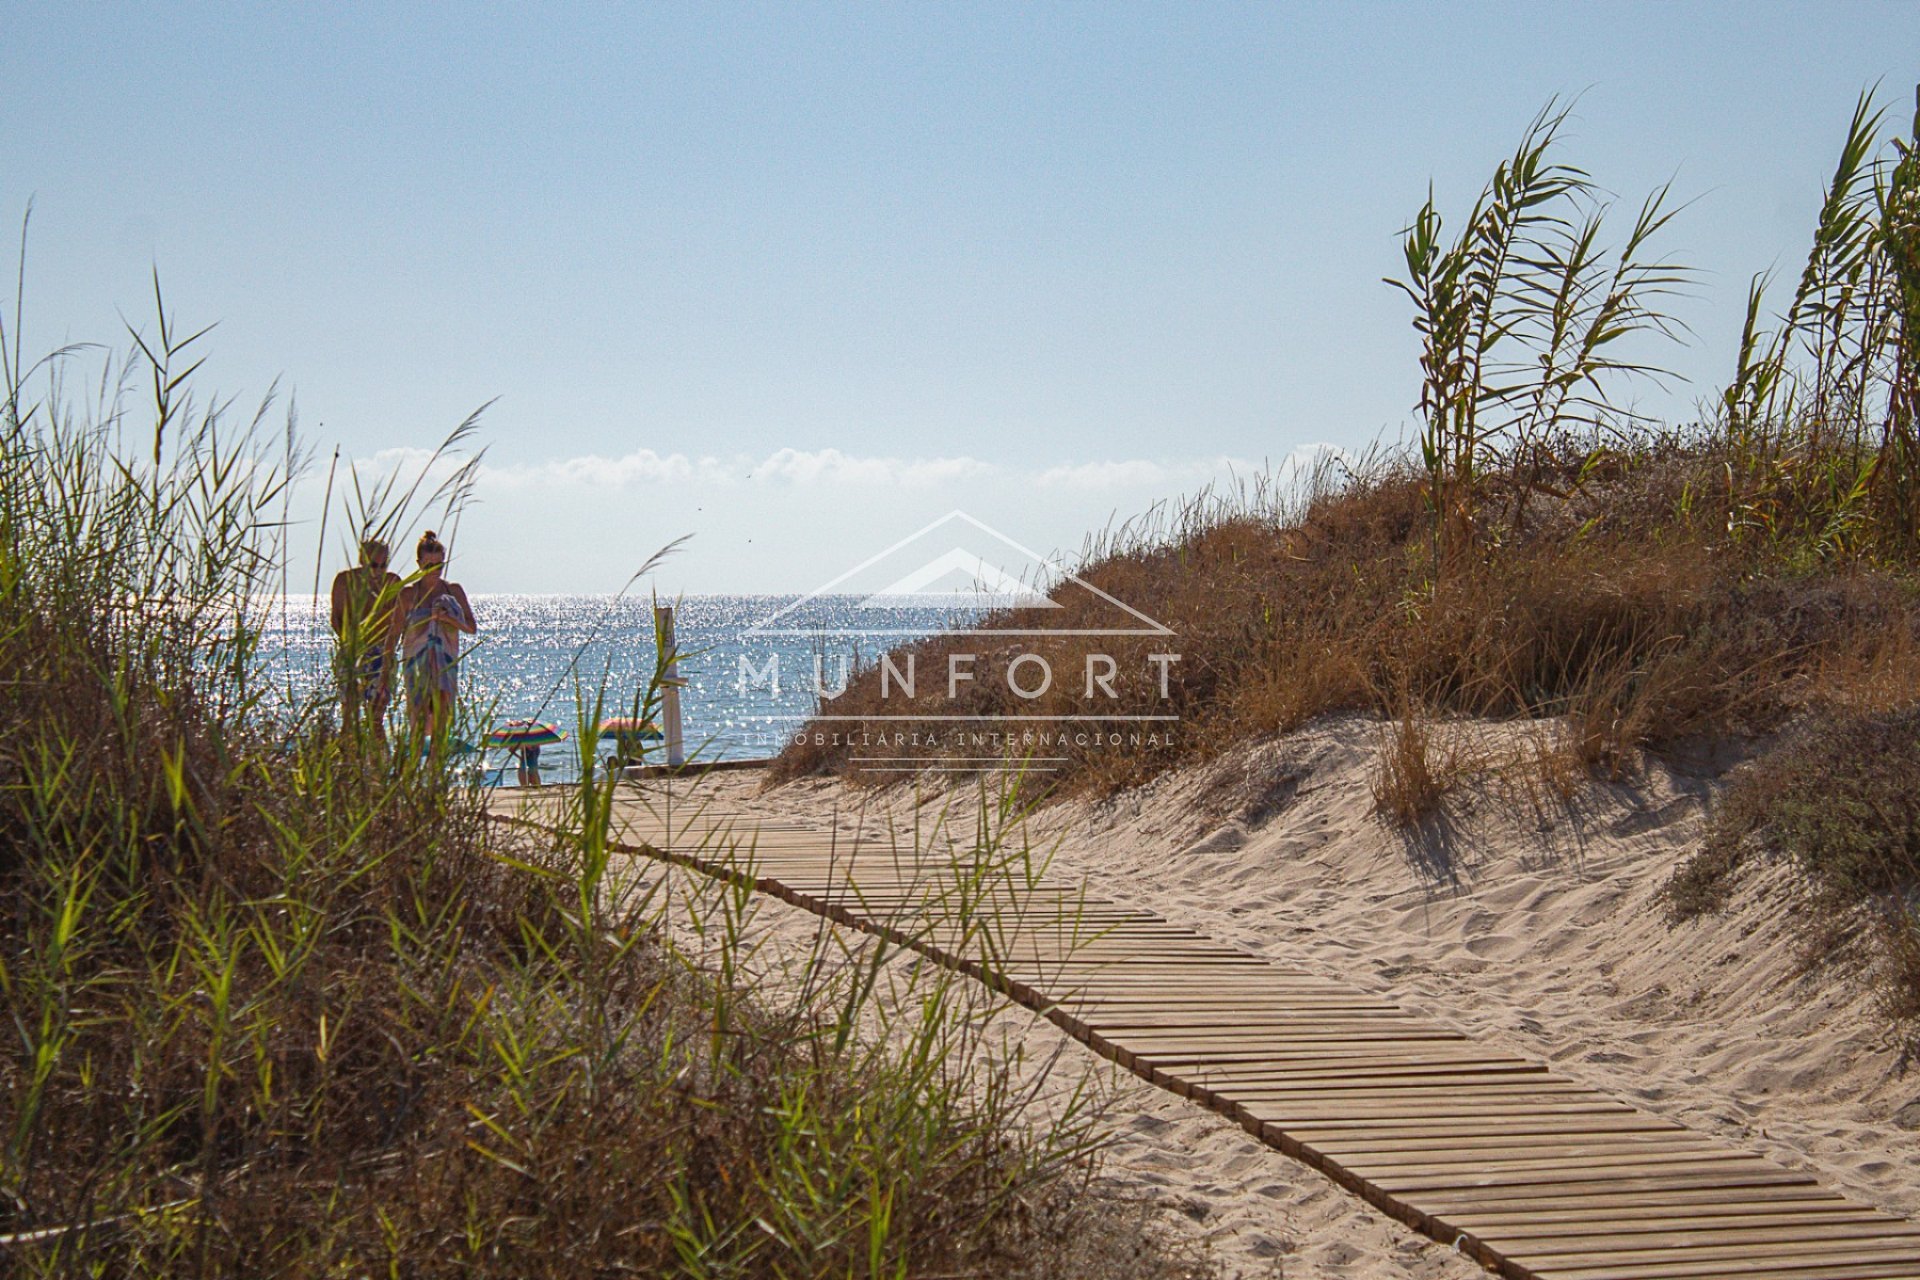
(995, 588)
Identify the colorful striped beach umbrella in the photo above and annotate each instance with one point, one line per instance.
(525, 733)
(629, 727)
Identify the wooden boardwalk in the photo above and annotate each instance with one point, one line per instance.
(1531, 1173)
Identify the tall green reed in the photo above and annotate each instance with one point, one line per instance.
(282, 1001)
(1820, 415)
(1523, 318)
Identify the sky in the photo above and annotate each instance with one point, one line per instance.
(794, 280)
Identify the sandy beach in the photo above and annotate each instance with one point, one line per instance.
(1312, 619)
(1528, 921)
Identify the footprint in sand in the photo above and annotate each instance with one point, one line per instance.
(1496, 946)
(1336, 1255)
(1229, 838)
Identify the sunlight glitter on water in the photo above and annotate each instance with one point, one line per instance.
(534, 653)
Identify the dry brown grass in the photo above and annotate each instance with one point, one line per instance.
(1545, 770)
(1419, 762)
(1631, 606)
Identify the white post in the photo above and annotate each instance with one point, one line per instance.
(670, 686)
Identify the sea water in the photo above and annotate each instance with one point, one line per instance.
(546, 657)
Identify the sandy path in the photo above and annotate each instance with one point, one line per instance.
(1207, 1183)
(1535, 927)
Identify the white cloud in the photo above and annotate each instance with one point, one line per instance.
(770, 521)
(641, 467)
(827, 468)
(401, 459)
(832, 467)
(1308, 456)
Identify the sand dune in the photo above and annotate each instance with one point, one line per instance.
(1527, 921)
(1537, 929)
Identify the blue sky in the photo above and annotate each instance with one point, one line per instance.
(797, 279)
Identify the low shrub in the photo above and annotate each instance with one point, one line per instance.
(1840, 799)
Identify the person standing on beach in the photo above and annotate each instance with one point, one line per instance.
(362, 620)
(429, 620)
(527, 757)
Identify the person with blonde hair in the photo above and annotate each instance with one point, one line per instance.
(362, 621)
(431, 616)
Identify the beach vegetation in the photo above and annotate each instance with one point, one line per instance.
(1523, 318)
(281, 999)
(1741, 584)
(1538, 554)
(1839, 804)
(1418, 762)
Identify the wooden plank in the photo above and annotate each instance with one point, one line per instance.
(1358, 1088)
(1887, 1242)
(1547, 1177)
(1599, 1159)
(1195, 1063)
(1177, 1017)
(1687, 1242)
(1726, 1271)
(1393, 1171)
(1494, 1202)
(1371, 1074)
(1566, 1224)
(1124, 1004)
(1414, 1038)
(1352, 1150)
(1516, 1127)
(1279, 1035)
(1292, 1056)
(1577, 1181)
(1287, 1063)
(1318, 1116)
(1870, 1265)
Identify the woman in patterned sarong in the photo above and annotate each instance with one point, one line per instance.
(431, 616)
